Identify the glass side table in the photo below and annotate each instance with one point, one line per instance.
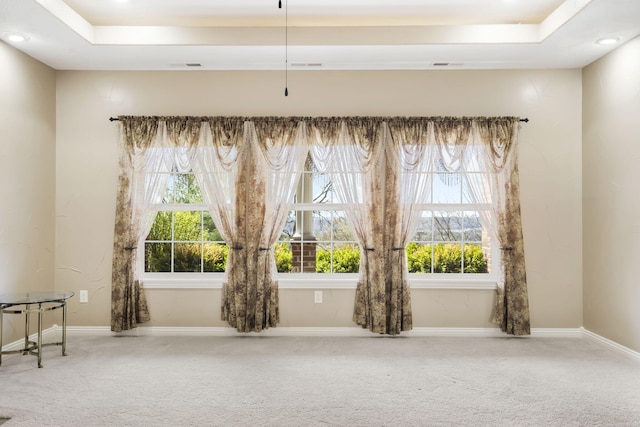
(34, 302)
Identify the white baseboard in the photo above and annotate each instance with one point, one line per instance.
(48, 335)
(219, 331)
(453, 332)
(54, 333)
(611, 344)
(556, 332)
(317, 332)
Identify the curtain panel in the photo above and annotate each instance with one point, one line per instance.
(381, 169)
(265, 187)
(500, 137)
(128, 302)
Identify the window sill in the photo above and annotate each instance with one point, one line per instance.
(323, 281)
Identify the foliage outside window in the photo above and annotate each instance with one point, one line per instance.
(335, 246)
(449, 239)
(183, 237)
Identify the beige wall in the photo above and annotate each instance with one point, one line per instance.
(550, 174)
(27, 153)
(611, 164)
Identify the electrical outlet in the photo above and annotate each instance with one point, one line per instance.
(84, 296)
(317, 297)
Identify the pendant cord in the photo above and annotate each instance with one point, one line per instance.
(286, 44)
(286, 47)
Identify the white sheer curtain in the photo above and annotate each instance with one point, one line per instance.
(500, 184)
(408, 147)
(410, 161)
(279, 151)
(485, 188)
(353, 161)
(173, 151)
(222, 154)
(221, 150)
(485, 163)
(280, 154)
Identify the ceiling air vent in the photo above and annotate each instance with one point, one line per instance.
(185, 64)
(447, 64)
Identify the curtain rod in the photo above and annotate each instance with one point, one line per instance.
(116, 119)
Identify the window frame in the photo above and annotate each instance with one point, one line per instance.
(215, 280)
(173, 207)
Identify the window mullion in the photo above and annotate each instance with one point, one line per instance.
(180, 207)
(173, 241)
(318, 207)
(202, 241)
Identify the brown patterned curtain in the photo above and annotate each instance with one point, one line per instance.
(265, 186)
(500, 139)
(272, 171)
(128, 302)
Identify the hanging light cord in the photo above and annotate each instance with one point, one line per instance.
(286, 44)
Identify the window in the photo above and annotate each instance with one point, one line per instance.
(316, 237)
(450, 238)
(449, 241)
(183, 237)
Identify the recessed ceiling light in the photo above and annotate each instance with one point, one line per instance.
(608, 40)
(122, 1)
(16, 37)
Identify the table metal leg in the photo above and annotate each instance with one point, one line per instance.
(64, 328)
(39, 335)
(27, 318)
(1, 316)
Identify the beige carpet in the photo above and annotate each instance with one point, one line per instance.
(286, 381)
